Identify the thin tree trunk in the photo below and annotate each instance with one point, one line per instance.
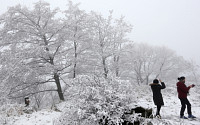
(116, 61)
(75, 59)
(104, 68)
(74, 71)
(59, 89)
(147, 80)
(75, 52)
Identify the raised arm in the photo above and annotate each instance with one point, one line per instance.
(162, 84)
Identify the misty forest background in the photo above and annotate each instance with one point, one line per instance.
(81, 58)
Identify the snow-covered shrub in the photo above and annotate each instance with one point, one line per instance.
(12, 110)
(7, 111)
(3, 119)
(91, 99)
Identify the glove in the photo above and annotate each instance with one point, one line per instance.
(191, 86)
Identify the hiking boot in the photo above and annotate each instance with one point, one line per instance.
(158, 116)
(191, 116)
(183, 117)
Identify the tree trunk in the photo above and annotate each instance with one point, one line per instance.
(75, 59)
(147, 80)
(104, 68)
(56, 76)
(116, 62)
(59, 89)
(74, 71)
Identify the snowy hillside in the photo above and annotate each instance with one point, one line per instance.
(169, 112)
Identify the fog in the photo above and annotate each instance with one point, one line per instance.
(170, 23)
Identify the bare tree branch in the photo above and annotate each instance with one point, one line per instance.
(32, 93)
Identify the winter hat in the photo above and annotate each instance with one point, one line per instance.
(181, 78)
(155, 81)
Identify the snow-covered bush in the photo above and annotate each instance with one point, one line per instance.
(92, 99)
(12, 110)
(7, 111)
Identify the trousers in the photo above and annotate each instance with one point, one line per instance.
(184, 102)
(158, 109)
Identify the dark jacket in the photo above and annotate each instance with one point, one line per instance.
(182, 90)
(157, 96)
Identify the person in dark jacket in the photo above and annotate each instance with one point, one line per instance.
(157, 96)
(183, 90)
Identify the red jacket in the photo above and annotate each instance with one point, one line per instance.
(182, 90)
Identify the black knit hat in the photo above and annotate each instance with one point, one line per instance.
(155, 81)
(181, 78)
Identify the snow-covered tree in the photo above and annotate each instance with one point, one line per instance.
(108, 35)
(35, 48)
(120, 31)
(78, 21)
(143, 62)
(102, 41)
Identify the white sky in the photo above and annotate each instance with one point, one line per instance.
(172, 23)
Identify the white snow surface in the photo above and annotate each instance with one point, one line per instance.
(169, 112)
(43, 117)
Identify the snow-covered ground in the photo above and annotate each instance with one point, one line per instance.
(43, 117)
(169, 112)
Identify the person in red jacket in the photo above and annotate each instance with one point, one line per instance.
(183, 90)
